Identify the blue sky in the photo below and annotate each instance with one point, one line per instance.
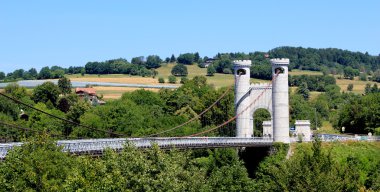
(71, 33)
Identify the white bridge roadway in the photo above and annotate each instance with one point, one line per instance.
(97, 146)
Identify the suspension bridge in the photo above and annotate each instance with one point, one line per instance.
(272, 96)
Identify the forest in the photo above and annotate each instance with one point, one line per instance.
(333, 61)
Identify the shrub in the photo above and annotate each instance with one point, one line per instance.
(161, 80)
(172, 79)
(184, 80)
(227, 71)
(363, 77)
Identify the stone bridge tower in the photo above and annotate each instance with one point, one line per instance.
(276, 97)
(280, 99)
(242, 87)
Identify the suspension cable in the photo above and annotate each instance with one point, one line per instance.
(33, 130)
(60, 118)
(237, 115)
(196, 116)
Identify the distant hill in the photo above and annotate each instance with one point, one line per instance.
(329, 61)
(313, 59)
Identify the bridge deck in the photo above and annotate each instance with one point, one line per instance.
(99, 145)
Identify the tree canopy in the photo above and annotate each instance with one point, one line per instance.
(179, 70)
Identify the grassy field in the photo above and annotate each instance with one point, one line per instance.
(218, 80)
(342, 83)
(304, 72)
(116, 92)
(359, 86)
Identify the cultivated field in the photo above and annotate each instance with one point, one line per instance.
(304, 72)
(116, 92)
(359, 86)
(218, 80)
(342, 83)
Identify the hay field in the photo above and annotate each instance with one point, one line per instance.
(304, 72)
(218, 80)
(117, 92)
(359, 86)
(115, 78)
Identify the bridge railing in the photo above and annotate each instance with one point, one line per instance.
(75, 146)
(99, 145)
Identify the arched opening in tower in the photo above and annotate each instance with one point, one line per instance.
(279, 70)
(241, 72)
(259, 116)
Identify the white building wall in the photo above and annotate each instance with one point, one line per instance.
(303, 130)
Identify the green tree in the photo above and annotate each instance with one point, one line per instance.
(309, 170)
(360, 114)
(350, 87)
(45, 73)
(211, 70)
(222, 64)
(138, 61)
(173, 59)
(350, 73)
(48, 91)
(16, 90)
(161, 80)
(38, 165)
(2, 75)
(376, 76)
(367, 88)
(363, 77)
(184, 80)
(59, 73)
(83, 71)
(179, 70)
(172, 79)
(153, 61)
(304, 91)
(187, 58)
(9, 108)
(64, 85)
(261, 71)
(197, 58)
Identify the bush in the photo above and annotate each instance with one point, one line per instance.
(184, 80)
(211, 70)
(172, 79)
(161, 80)
(377, 131)
(350, 87)
(227, 71)
(363, 77)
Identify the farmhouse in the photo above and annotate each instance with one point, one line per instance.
(207, 63)
(89, 94)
